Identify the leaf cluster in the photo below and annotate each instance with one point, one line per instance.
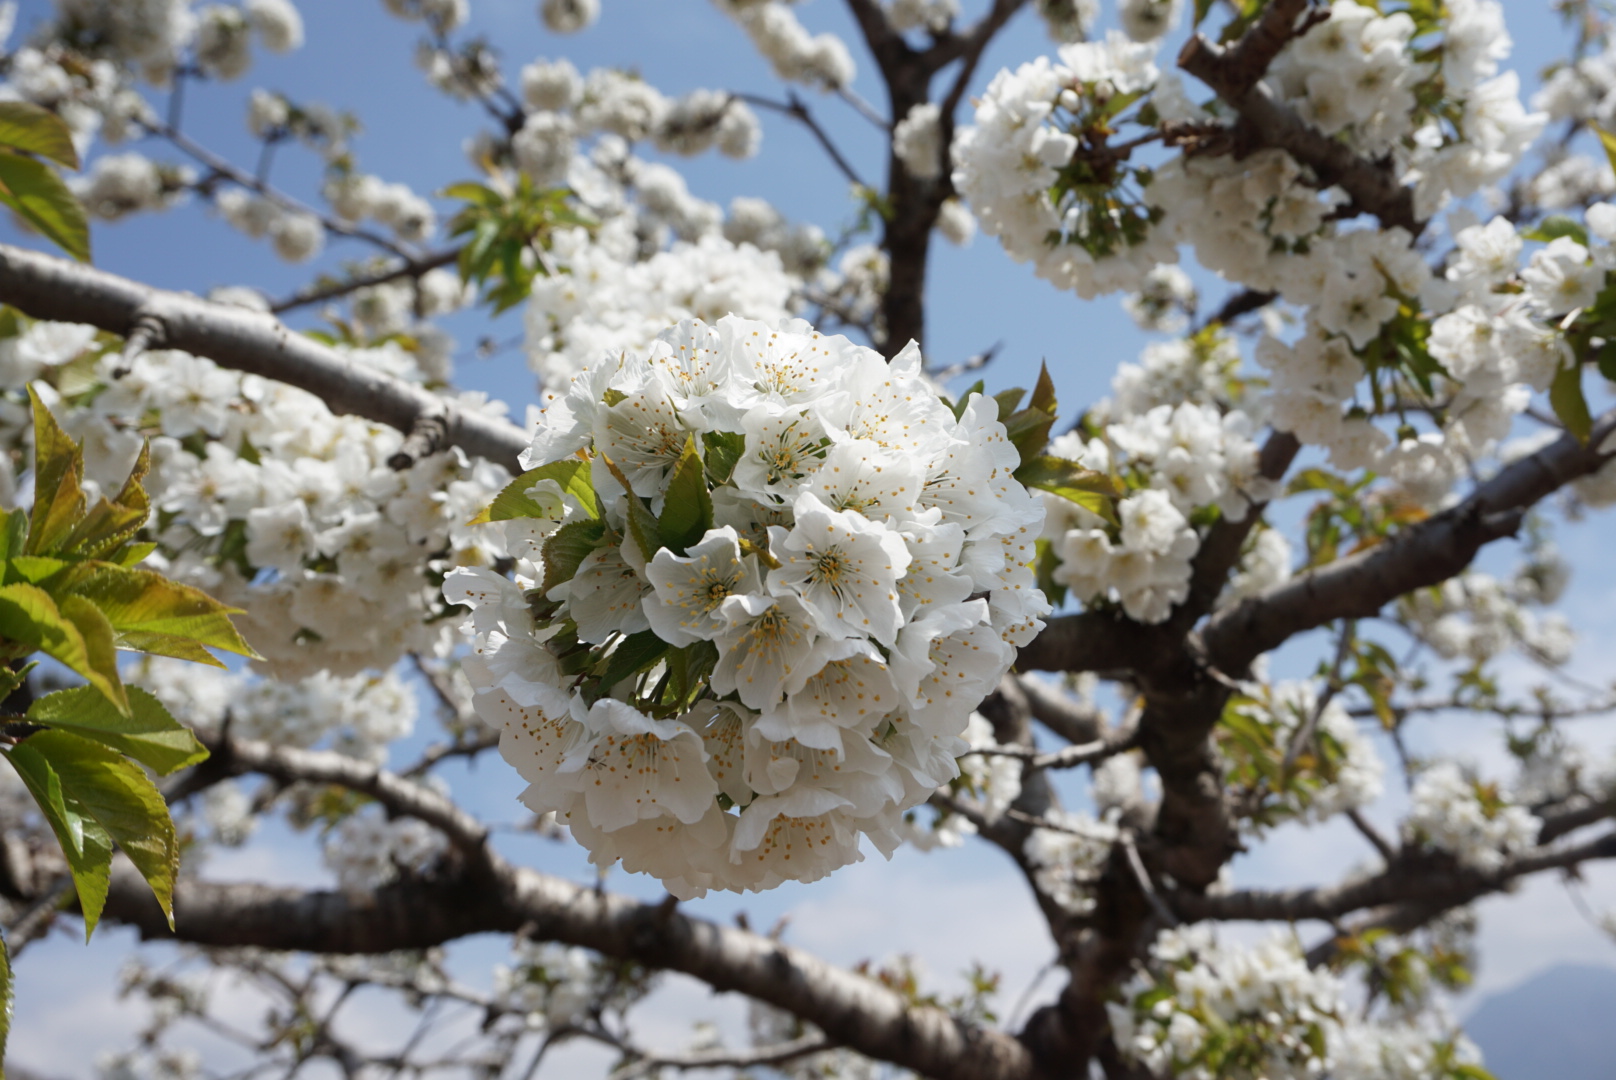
(31, 139)
(508, 231)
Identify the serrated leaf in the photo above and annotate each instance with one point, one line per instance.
(723, 450)
(148, 734)
(41, 198)
(687, 507)
(641, 525)
(1043, 394)
(1555, 226)
(58, 499)
(5, 1004)
(1092, 490)
(1570, 405)
(1009, 399)
(633, 654)
(572, 476)
(112, 523)
(1608, 141)
(85, 845)
(566, 548)
(33, 569)
(121, 800)
(13, 533)
(153, 614)
(35, 130)
(30, 617)
(100, 645)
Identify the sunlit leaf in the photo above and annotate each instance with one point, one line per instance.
(148, 734)
(34, 190)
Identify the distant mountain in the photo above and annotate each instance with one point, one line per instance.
(1559, 1025)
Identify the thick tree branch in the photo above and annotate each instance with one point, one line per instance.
(46, 287)
(1427, 881)
(1236, 72)
(1422, 555)
(1090, 641)
(851, 1010)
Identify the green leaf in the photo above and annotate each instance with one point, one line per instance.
(85, 845)
(1087, 488)
(155, 615)
(641, 525)
(100, 646)
(724, 449)
(1009, 399)
(58, 499)
(31, 618)
(1043, 394)
(121, 799)
(1608, 141)
(1202, 9)
(687, 508)
(33, 189)
(958, 408)
(14, 534)
(34, 130)
(111, 524)
(148, 734)
(1565, 394)
(633, 654)
(1557, 225)
(571, 475)
(566, 548)
(5, 1004)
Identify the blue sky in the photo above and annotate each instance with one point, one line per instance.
(358, 58)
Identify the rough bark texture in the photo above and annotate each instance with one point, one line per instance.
(46, 287)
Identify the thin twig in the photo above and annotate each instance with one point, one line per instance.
(798, 111)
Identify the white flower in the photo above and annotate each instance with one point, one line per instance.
(634, 767)
(843, 566)
(690, 589)
(772, 647)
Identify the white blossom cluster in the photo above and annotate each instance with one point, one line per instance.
(1067, 856)
(1009, 162)
(988, 782)
(367, 850)
(1453, 813)
(1476, 617)
(1344, 773)
(268, 501)
(811, 658)
(118, 185)
(610, 300)
(1269, 1006)
(1207, 1010)
(549, 985)
(821, 61)
(1191, 457)
(355, 715)
(151, 37)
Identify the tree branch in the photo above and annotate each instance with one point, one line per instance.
(409, 268)
(1236, 72)
(851, 1010)
(46, 287)
(1424, 554)
(1426, 880)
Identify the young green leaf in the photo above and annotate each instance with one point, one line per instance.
(29, 617)
(724, 449)
(148, 734)
(33, 189)
(1570, 405)
(571, 475)
(122, 802)
(5, 1004)
(687, 509)
(150, 613)
(566, 548)
(85, 845)
(633, 654)
(1087, 488)
(28, 127)
(641, 525)
(58, 499)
